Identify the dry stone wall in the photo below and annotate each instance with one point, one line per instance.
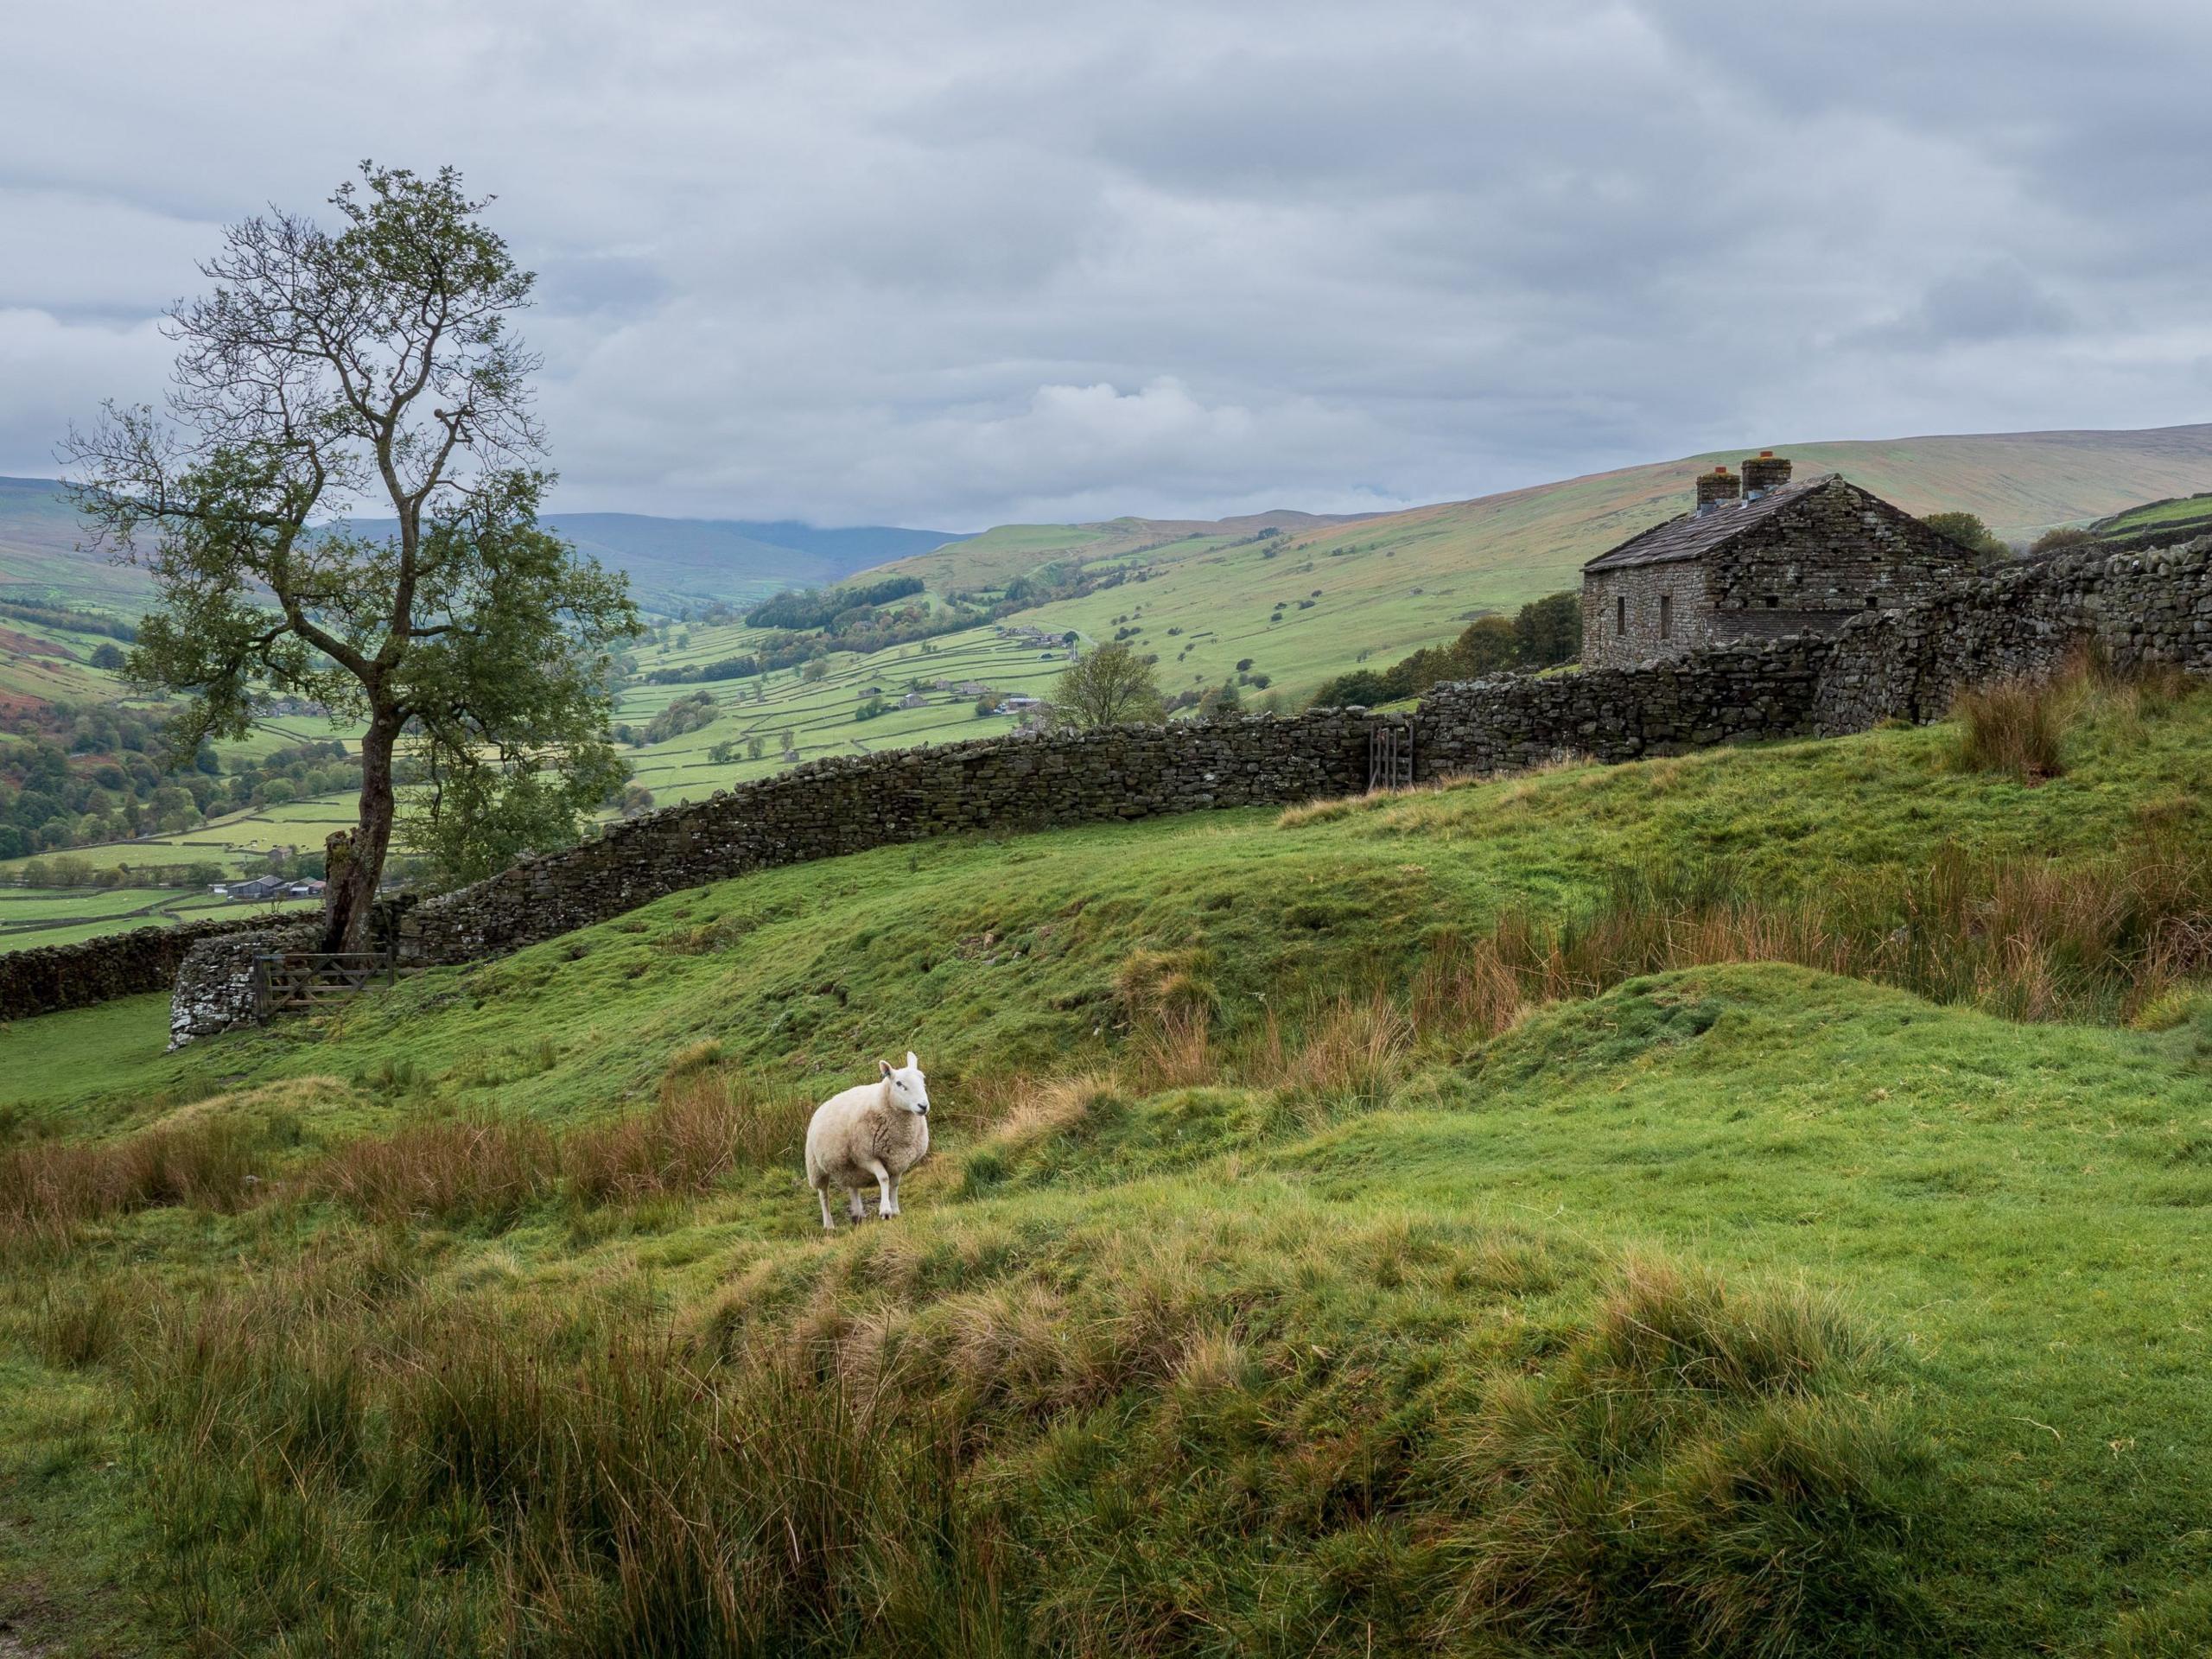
(830, 807)
(1719, 694)
(2137, 608)
(52, 977)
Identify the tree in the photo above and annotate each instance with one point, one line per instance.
(1549, 630)
(1222, 702)
(1113, 686)
(373, 362)
(2058, 540)
(108, 656)
(1968, 530)
(1488, 645)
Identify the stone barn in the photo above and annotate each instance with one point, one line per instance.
(1756, 557)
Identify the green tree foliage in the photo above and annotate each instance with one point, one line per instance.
(1548, 632)
(1545, 633)
(1113, 686)
(1968, 530)
(688, 714)
(2058, 540)
(371, 363)
(821, 609)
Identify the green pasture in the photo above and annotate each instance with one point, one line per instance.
(30, 917)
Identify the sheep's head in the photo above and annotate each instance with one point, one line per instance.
(905, 1087)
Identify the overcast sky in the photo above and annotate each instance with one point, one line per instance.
(949, 264)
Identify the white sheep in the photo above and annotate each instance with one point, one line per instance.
(875, 1133)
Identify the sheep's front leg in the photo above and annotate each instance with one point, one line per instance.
(828, 1225)
(856, 1206)
(887, 1184)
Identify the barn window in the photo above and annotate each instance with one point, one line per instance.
(1666, 616)
(1620, 615)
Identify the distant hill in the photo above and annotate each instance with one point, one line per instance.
(996, 557)
(39, 558)
(671, 562)
(674, 561)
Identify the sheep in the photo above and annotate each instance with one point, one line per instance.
(875, 1132)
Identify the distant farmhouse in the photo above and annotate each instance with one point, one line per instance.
(1758, 557)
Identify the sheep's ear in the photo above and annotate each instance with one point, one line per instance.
(885, 1064)
(911, 1062)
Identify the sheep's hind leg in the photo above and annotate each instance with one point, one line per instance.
(828, 1224)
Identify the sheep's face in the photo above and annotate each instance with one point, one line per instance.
(910, 1090)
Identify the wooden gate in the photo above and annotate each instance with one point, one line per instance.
(1389, 756)
(303, 979)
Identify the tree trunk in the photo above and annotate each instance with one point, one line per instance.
(348, 899)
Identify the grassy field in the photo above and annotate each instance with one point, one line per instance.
(30, 917)
(1403, 1225)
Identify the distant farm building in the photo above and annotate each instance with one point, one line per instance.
(1756, 557)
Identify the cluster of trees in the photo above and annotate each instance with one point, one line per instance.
(722, 668)
(63, 616)
(1968, 530)
(68, 870)
(726, 753)
(826, 607)
(691, 714)
(1543, 633)
(104, 774)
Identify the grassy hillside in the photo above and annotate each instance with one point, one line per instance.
(1323, 599)
(39, 558)
(2180, 517)
(1403, 1225)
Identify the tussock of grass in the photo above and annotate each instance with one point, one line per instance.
(2020, 726)
(1101, 1439)
(2014, 726)
(706, 1124)
(48, 1189)
(481, 1169)
(1689, 1466)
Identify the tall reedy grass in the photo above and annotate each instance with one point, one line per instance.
(49, 1189)
(1108, 1443)
(707, 1123)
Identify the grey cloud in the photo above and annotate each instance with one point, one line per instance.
(984, 260)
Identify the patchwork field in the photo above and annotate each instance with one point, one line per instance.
(1745, 1203)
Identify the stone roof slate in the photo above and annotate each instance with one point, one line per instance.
(1695, 534)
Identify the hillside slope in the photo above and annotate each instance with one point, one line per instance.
(1385, 585)
(1308, 1261)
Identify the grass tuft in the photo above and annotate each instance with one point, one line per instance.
(48, 1189)
(1694, 1474)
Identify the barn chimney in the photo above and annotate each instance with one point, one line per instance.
(1764, 472)
(1714, 487)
